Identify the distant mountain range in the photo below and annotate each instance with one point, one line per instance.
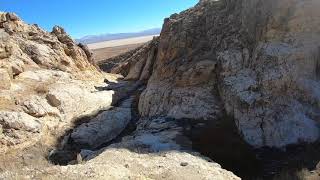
(107, 37)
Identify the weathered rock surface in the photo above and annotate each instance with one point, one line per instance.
(124, 164)
(256, 60)
(102, 129)
(47, 82)
(5, 79)
(19, 121)
(136, 64)
(39, 107)
(157, 150)
(76, 100)
(252, 60)
(50, 83)
(18, 129)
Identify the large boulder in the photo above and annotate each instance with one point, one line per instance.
(256, 61)
(102, 129)
(18, 130)
(75, 100)
(39, 107)
(19, 121)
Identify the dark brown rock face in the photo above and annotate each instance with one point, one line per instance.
(257, 60)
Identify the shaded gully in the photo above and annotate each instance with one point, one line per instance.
(220, 142)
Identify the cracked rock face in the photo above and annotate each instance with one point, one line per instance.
(256, 60)
(135, 65)
(104, 128)
(50, 85)
(47, 81)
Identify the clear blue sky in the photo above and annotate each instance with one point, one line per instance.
(87, 17)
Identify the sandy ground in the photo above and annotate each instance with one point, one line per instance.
(121, 42)
(108, 52)
(108, 49)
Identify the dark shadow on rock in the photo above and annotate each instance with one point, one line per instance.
(218, 140)
(66, 152)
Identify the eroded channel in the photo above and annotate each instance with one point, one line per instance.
(91, 134)
(220, 142)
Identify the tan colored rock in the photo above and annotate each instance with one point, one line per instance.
(54, 50)
(136, 70)
(136, 64)
(17, 68)
(5, 51)
(5, 79)
(12, 17)
(3, 17)
(125, 164)
(147, 70)
(31, 62)
(62, 35)
(19, 121)
(38, 107)
(74, 100)
(87, 51)
(44, 75)
(5, 100)
(253, 60)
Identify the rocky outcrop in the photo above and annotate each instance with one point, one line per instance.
(257, 61)
(103, 128)
(25, 47)
(253, 62)
(136, 64)
(47, 82)
(156, 150)
(19, 121)
(50, 86)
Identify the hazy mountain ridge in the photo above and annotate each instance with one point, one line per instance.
(110, 36)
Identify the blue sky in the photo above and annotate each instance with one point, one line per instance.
(87, 17)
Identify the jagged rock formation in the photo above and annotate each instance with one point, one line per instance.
(252, 60)
(46, 82)
(256, 60)
(103, 128)
(136, 64)
(49, 85)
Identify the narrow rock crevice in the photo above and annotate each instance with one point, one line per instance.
(317, 59)
(91, 133)
(221, 142)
